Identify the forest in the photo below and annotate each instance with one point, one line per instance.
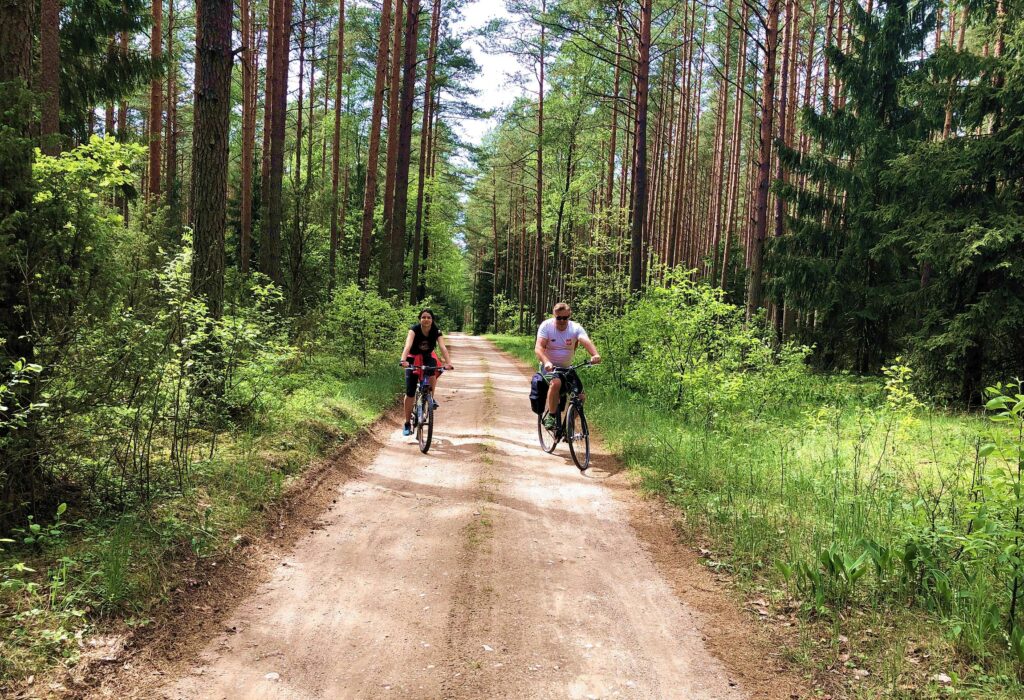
(796, 227)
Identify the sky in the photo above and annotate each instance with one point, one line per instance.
(492, 82)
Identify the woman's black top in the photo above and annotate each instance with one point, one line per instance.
(424, 343)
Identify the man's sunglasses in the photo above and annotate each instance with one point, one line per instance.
(561, 318)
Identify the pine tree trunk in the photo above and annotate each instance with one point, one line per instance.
(373, 154)
(156, 117)
(425, 143)
(210, 149)
(332, 272)
(49, 75)
(538, 250)
(270, 248)
(640, 163)
(387, 249)
(248, 134)
(296, 249)
(760, 221)
(400, 212)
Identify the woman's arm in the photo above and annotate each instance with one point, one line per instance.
(444, 350)
(408, 346)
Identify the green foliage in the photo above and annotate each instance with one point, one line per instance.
(684, 348)
(360, 323)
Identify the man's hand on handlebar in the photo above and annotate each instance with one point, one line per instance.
(549, 367)
(449, 366)
(403, 363)
(595, 359)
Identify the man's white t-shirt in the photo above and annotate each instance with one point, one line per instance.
(561, 344)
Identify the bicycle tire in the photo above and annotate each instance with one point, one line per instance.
(577, 435)
(425, 430)
(548, 441)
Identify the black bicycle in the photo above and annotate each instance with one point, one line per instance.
(574, 429)
(423, 406)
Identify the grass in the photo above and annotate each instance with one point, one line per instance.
(101, 567)
(847, 515)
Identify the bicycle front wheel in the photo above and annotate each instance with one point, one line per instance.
(425, 429)
(578, 437)
(546, 437)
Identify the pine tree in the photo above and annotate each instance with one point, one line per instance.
(837, 261)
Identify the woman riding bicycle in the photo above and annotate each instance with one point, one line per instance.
(557, 340)
(420, 344)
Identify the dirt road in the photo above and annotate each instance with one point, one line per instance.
(484, 569)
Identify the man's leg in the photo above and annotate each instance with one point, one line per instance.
(554, 393)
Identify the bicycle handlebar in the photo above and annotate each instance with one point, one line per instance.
(563, 370)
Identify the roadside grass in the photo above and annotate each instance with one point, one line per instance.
(93, 568)
(831, 512)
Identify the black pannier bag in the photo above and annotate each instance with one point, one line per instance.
(538, 393)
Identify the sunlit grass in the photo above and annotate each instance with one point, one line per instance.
(773, 487)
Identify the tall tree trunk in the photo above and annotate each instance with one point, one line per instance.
(640, 164)
(210, 149)
(386, 282)
(737, 145)
(400, 212)
(49, 75)
(332, 272)
(269, 90)
(370, 192)
(720, 147)
(760, 221)
(248, 133)
(425, 141)
(171, 150)
(538, 250)
(296, 249)
(270, 249)
(18, 449)
(122, 107)
(156, 116)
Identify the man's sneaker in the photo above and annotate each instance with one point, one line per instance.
(406, 430)
(434, 401)
(549, 422)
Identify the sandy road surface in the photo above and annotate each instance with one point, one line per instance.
(485, 569)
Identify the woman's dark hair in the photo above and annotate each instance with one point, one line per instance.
(427, 311)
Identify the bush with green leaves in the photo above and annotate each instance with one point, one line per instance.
(684, 348)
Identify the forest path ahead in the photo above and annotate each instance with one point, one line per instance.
(484, 569)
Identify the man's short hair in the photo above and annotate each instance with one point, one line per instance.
(561, 306)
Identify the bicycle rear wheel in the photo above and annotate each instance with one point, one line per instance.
(578, 437)
(546, 437)
(425, 428)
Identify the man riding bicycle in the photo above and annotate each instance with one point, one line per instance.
(557, 340)
(420, 343)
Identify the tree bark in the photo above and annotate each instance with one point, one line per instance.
(425, 143)
(332, 269)
(49, 75)
(373, 153)
(270, 249)
(210, 149)
(538, 250)
(386, 281)
(640, 164)
(759, 224)
(401, 208)
(248, 134)
(156, 116)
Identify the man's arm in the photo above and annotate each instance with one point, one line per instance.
(588, 344)
(540, 350)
